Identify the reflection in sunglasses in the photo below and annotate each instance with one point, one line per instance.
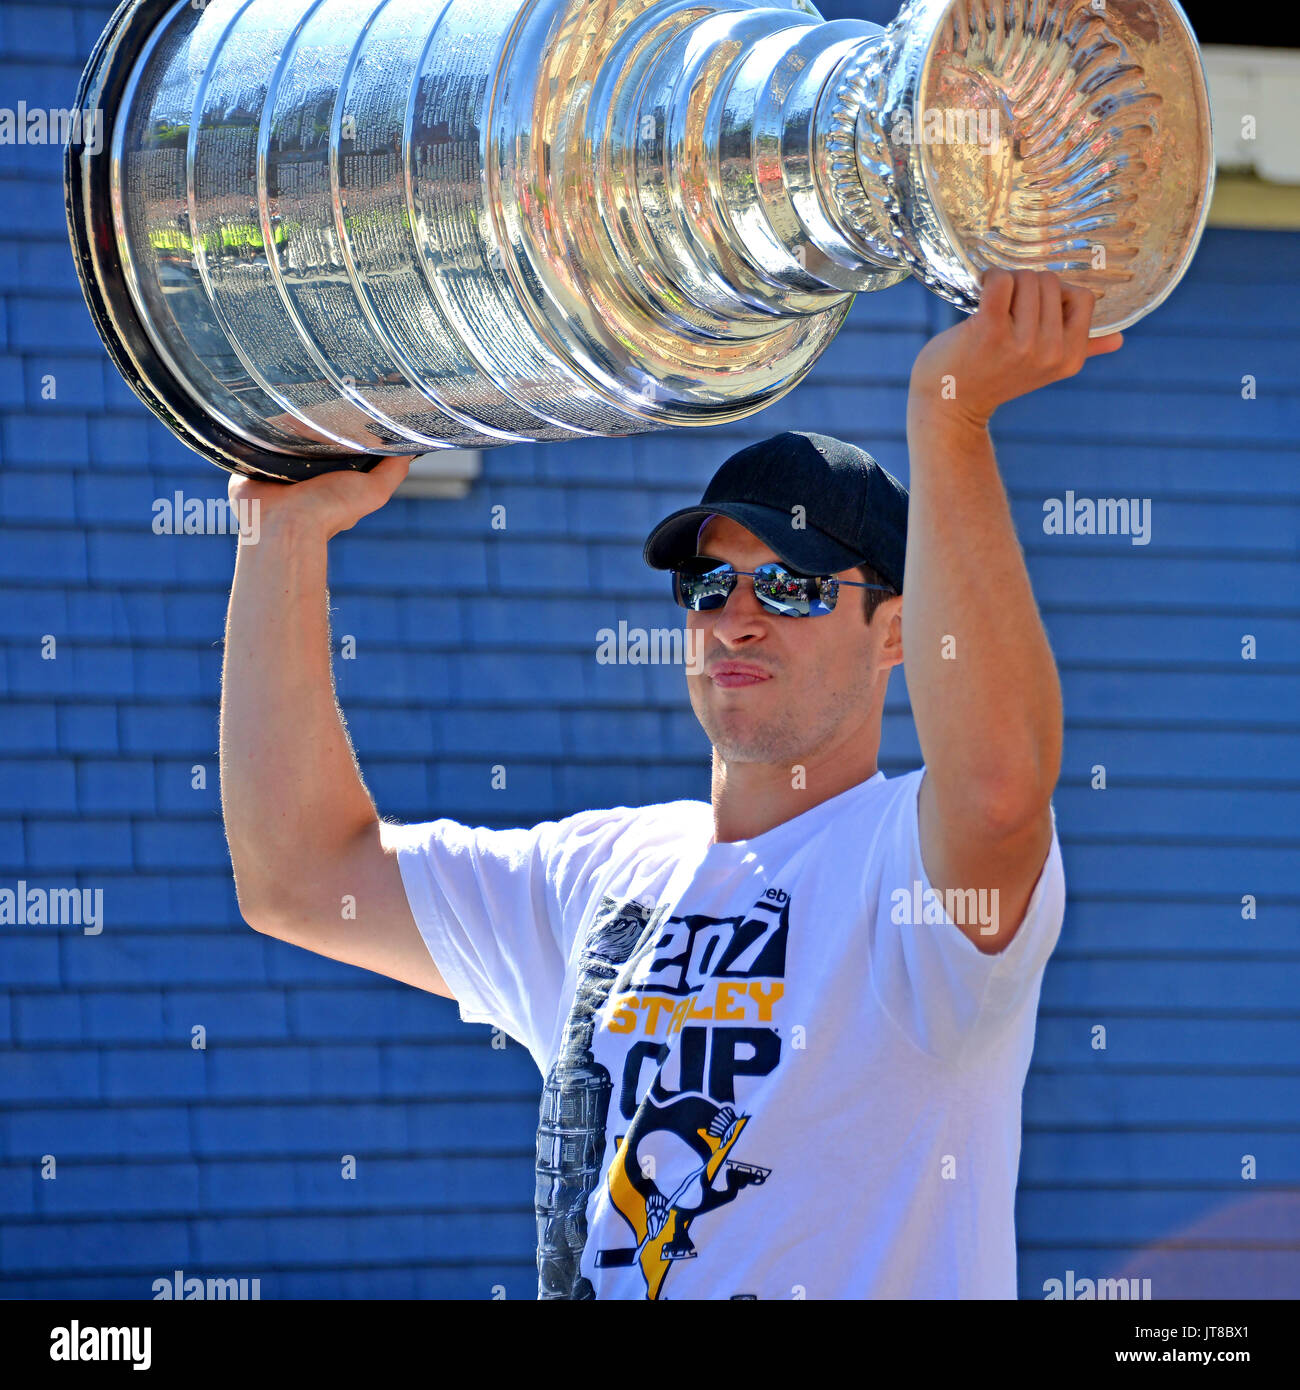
(705, 585)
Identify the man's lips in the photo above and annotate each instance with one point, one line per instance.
(731, 675)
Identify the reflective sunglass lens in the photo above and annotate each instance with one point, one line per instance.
(705, 591)
(785, 593)
(709, 599)
(779, 591)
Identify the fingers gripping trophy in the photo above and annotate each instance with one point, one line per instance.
(325, 231)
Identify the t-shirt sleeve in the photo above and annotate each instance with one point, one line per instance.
(944, 992)
(485, 904)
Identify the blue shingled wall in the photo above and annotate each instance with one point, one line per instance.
(226, 1161)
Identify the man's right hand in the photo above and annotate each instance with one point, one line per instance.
(332, 503)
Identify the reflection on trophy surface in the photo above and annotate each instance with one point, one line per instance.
(326, 230)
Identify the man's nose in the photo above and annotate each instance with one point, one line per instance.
(742, 618)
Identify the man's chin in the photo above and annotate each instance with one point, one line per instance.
(743, 740)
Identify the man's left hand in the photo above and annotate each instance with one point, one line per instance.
(1029, 331)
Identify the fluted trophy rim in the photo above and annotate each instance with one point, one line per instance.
(920, 224)
(87, 180)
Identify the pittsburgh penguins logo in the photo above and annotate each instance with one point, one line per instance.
(673, 1165)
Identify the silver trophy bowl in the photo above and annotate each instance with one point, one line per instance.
(323, 231)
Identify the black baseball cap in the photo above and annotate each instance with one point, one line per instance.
(854, 512)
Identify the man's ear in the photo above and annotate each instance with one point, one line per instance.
(889, 614)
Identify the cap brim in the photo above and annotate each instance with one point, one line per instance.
(803, 548)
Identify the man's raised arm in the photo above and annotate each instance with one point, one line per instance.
(303, 831)
(984, 689)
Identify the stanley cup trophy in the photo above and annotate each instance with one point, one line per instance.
(321, 231)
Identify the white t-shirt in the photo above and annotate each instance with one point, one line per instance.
(774, 1068)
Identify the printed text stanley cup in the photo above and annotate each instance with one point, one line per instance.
(324, 230)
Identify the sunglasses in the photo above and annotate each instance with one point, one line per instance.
(706, 586)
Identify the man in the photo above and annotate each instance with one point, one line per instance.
(784, 1034)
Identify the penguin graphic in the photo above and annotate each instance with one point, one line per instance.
(672, 1166)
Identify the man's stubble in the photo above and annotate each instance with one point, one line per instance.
(792, 732)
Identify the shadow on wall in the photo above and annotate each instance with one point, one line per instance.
(1256, 1236)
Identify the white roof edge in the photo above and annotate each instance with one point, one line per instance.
(1255, 101)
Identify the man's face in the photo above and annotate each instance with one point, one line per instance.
(774, 689)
